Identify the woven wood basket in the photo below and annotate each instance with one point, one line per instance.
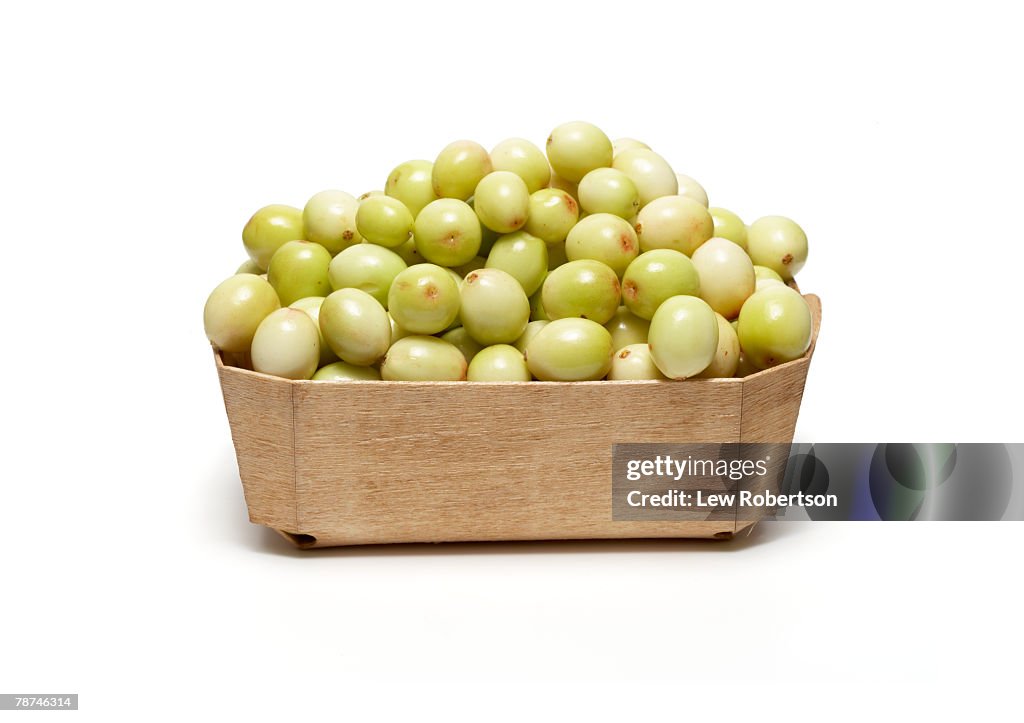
(350, 463)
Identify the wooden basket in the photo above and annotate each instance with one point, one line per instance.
(366, 462)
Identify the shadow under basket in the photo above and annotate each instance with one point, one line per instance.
(370, 462)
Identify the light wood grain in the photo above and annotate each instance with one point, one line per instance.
(341, 463)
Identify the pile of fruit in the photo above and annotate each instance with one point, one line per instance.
(593, 260)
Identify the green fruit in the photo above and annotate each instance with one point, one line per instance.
(575, 149)
(355, 326)
(674, 222)
(537, 312)
(634, 362)
(523, 256)
(778, 243)
(477, 262)
(423, 359)
(368, 267)
(570, 350)
(683, 337)
(655, 276)
(249, 267)
(744, 368)
(551, 215)
(624, 144)
(397, 332)
(583, 288)
(458, 168)
(369, 194)
(311, 305)
(447, 232)
(235, 309)
(775, 326)
(763, 272)
(727, 355)
(556, 255)
(726, 275)
(412, 183)
(605, 238)
(342, 372)
(560, 184)
(650, 173)
(384, 221)
(523, 159)
(494, 308)
(606, 190)
(689, 188)
(531, 331)
(626, 328)
(761, 283)
(409, 254)
(424, 299)
(269, 229)
(729, 225)
(286, 344)
(329, 219)
(463, 342)
(498, 363)
(502, 201)
(299, 269)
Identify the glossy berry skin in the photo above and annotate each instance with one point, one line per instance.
(570, 350)
(655, 276)
(727, 354)
(423, 359)
(729, 225)
(494, 308)
(299, 269)
(674, 222)
(344, 372)
(502, 201)
(447, 232)
(329, 219)
(463, 341)
(286, 344)
(368, 267)
(424, 299)
(574, 149)
(311, 305)
(726, 275)
(523, 256)
(412, 183)
(607, 190)
(235, 309)
(627, 328)
(356, 326)
(634, 362)
(778, 243)
(650, 173)
(683, 337)
(384, 221)
(531, 331)
(269, 229)
(603, 237)
(523, 159)
(498, 363)
(551, 215)
(585, 288)
(774, 326)
(458, 168)
(691, 189)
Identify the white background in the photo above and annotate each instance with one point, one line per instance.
(137, 139)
